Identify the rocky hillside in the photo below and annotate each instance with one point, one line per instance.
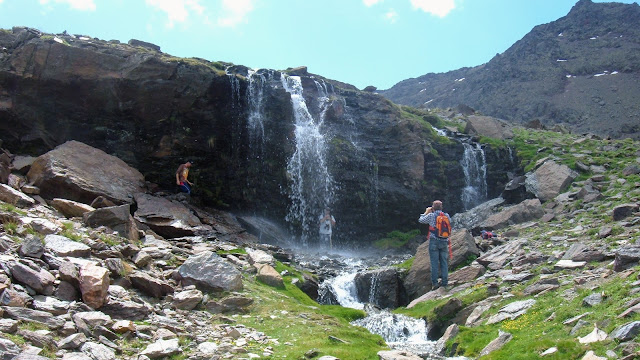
(581, 70)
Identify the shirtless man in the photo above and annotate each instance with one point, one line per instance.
(181, 177)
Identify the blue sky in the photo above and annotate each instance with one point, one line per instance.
(361, 42)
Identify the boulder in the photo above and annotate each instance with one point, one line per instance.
(488, 126)
(496, 344)
(234, 303)
(511, 311)
(188, 299)
(381, 287)
(626, 332)
(40, 225)
(268, 275)
(625, 210)
(117, 218)
(626, 257)
(515, 191)
(211, 272)
(15, 197)
(8, 349)
(70, 208)
(62, 246)
(125, 309)
(466, 274)
(98, 351)
(169, 219)
(472, 218)
(308, 285)
(257, 256)
(79, 172)
(72, 342)
(418, 280)
(31, 247)
(150, 285)
(50, 304)
(549, 180)
(525, 211)
(162, 349)
(39, 280)
(94, 284)
(22, 164)
(37, 316)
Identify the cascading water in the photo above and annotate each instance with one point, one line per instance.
(399, 331)
(235, 88)
(311, 183)
(474, 166)
(255, 119)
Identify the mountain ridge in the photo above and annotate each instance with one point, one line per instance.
(577, 70)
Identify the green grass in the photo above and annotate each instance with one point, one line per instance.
(396, 239)
(68, 231)
(10, 227)
(11, 208)
(292, 317)
(532, 334)
(406, 264)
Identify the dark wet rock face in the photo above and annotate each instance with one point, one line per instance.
(154, 111)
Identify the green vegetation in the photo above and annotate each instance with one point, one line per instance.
(406, 264)
(12, 209)
(294, 319)
(68, 230)
(396, 239)
(10, 227)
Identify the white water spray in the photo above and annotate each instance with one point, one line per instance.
(311, 183)
(474, 166)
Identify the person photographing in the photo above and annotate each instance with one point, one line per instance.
(439, 244)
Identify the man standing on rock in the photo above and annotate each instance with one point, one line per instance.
(327, 222)
(439, 247)
(181, 177)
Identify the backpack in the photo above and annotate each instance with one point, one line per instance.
(443, 227)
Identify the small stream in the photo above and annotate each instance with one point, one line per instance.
(400, 332)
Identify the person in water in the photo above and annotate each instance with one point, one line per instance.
(326, 222)
(181, 177)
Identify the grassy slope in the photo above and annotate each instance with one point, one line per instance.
(542, 326)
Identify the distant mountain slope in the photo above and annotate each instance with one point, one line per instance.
(582, 70)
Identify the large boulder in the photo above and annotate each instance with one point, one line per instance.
(94, 285)
(211, 272)
(525, 211)
(117, 218)
(39, 280)
(472, 218)
(381, 287)
(79, 172)
(169, 219)
(418, 280)
(549, 180)
(62, 246)
(488, 126)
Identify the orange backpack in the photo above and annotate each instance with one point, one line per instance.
(443, 227)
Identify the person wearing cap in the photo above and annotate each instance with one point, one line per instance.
(439, 250)
(326, 222)
(181, 177)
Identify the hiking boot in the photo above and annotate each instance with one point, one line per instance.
(435, 287)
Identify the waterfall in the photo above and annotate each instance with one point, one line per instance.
(343, 288)
(474, 166)
(255, 119)
(311, 183)
(235, 88)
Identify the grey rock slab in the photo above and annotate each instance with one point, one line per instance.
(70, 208)
(150, 285)
(188, 299)
(502, 339)
(397, 355)
(15, 197)
(626, 332)
(210, 271)
(8, 349)
(50, 304)
(98, 351)
(39, 280)
(63, 246)
(93, 318)
(592, 300)
(162, 348)
(31, 247)
(36, 316)
(72, 342)
(512, 311)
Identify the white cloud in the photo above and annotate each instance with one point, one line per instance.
(370, 3)
(234, 12)
(391, 16)
(82, 5)
(436, 7)
(178, 11)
